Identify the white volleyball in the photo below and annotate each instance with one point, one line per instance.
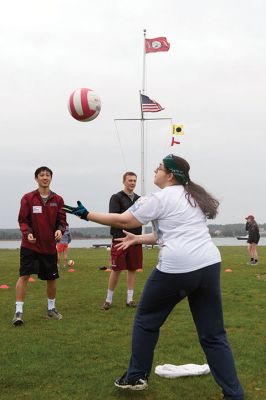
(84, 104)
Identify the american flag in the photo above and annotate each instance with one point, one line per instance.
(149, 105)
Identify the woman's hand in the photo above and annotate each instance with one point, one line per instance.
(129, 240)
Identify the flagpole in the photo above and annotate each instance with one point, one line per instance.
(142, 166)
(143, 119)
(144, 65)
(142, 123)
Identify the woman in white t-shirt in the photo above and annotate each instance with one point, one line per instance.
(188, 266)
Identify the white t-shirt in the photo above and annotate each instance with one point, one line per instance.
(180, 229)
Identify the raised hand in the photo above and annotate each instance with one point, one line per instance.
(127, 241)
(80, 211)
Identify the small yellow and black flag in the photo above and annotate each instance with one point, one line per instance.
(177, 130)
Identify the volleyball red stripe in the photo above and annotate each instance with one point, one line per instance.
(73, 110)
(84, 103)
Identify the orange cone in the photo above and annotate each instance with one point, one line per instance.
(228, 270)
(71, 270)
(4, 287)
(31, 279)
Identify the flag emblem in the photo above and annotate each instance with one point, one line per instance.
(156, 44)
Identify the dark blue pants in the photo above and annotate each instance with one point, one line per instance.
(161, 293)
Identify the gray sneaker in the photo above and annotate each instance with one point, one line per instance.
(106, 305)
(54, 314)
(131, 304)
(18, 319)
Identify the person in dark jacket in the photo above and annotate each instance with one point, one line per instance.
(131, 258)
(253, 239)
(42, 222)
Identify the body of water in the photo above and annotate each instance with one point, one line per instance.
(87, 243)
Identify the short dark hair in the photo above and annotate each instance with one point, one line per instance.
(128, 173)
(40, 169)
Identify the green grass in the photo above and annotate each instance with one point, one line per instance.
(79, 357)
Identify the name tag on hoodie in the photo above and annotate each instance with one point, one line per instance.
(37, 209)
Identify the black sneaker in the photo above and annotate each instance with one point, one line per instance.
(131, 304)
(139, 384)
(18, 319)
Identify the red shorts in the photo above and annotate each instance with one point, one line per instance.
(130, 259)
(61, 247)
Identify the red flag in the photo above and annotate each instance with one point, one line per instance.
(174, 141)
(156, 44)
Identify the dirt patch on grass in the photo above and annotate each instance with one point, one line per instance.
(261, 277)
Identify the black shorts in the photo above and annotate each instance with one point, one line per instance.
(43, 265)
(253, 239)
(250, 241)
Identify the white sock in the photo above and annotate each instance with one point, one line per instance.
(51, 304)
(19, 306)
(130, 295)
(109, 296)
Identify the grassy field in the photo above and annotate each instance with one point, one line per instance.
(78, 357)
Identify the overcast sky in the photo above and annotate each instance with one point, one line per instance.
(212, 80)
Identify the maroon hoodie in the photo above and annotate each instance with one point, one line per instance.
(41, 219)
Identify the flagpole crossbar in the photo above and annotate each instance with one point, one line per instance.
(127, 119)
(150, 119)
(139, 119)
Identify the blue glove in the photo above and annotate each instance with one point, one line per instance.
(80, 211)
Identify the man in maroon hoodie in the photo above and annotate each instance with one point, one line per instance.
(42, 222)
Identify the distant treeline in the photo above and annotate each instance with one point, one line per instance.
(229, 230)
(76, 233)
(232, 230)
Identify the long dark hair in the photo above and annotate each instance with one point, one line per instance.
(196, 194)
(253, 224)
